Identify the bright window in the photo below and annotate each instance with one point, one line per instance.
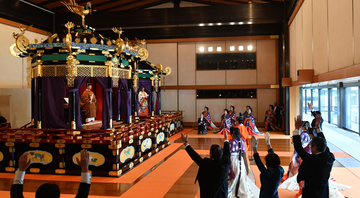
(352, 108)
(324, 104)
(315, 99)
(334, 106)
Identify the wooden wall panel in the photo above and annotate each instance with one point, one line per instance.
(187, 63)
(299, 39)
(266, 62)
(320, 32)
(292, 34)
(210, 77)
(307, 34)
(265, 97)
(340, 34)
(165, 54)
(356, 22)
(240, 105)
(187, 102)
(241, 77)
(216, 108)
(169, 99)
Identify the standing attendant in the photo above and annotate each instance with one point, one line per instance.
(316, 167)
(88, 102)
(143, 102)
(213, 171)
(202, 125)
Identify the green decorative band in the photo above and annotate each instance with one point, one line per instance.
(144, 75)
(125, 62)
(54, 57)
(82, 57)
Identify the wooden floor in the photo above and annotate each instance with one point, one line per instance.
(170, 173)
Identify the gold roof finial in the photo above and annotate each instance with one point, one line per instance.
(79, 10)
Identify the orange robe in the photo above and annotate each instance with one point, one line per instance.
(90, 108)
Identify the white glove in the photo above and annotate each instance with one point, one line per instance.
(267, 138)
(254, 141)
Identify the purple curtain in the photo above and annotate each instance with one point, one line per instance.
(79, 81)
(36, 106)
(124, 99)
(53, 102)
(128, 107)
(158, 102)
(146, 83)
(106, 114)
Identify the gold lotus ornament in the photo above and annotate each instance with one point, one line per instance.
(69, 25)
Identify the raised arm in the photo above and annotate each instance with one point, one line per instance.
(17, 187)
(297, 139)
(258, 161)
(226, 152)
(193, 154)
(83, 162)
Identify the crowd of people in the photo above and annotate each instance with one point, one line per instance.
(273, 120)
(309, 169)
(227, 173)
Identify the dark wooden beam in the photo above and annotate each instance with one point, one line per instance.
(149, 5)
(24, 13)
(195, 32)
(256, 13)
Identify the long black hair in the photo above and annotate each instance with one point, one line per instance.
(236, 133)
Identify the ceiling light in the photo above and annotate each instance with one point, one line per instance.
(240, 23)
(210, 49)
(201, 49)
(201, 24)
(249, 47)
(249, 22)
(232, 23)
(241, 48)
(210, 24)
(232, 48)
(218, 49)
(218, 23)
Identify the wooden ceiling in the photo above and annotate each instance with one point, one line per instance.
(122, 5)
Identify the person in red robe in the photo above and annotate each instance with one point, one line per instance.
(88, 102)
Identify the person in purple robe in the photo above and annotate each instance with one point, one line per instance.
(225, 123)
(232, 115)
(249, 122)
(209, 124)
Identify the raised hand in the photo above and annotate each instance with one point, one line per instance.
(310, 105)
(254, 142)
(24, 162)
(84, 160)
(267, 138)
(184, 138)
(298, 122)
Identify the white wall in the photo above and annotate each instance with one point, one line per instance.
(181, 57)
(15, 97)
